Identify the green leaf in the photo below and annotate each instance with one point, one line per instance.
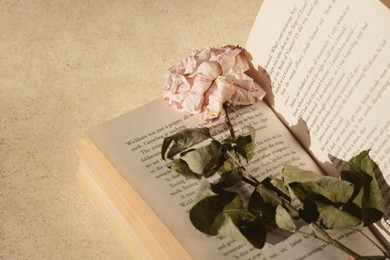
(284, 220)
(277, 186)
(245, 145)
(368, 204)
(247, 231)
(204, 190)
(235, 209)
(217, 159)
(183, 140)
(225, 214)
(254, 231)
(292, 174)
(181, 167)
(230, 229)
(324, 198)
(241, 228)
(309, 211)
(250, 146)
(204, 160)
(230, 178)
(335, 218)
(225, 167)
(307, 184)
(208, 214)
(260, 207)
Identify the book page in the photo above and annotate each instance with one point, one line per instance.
(132, 143)
(329, 62)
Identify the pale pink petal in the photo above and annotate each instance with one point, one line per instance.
(209, 70)
(194, 99)
(244, 96)
(242, 63)
(203, 55)
(219, 92)
(228, 60)
(208, 78)
(190, 66)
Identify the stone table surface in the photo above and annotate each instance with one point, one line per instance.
(67, 66)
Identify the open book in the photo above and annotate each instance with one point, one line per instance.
(329, 62)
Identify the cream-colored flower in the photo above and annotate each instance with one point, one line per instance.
(201, 83)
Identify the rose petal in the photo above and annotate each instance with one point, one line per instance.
(209, 70)
(228, 60)
(204, 81)
(219, 92)
(194, 99)
(244, 96)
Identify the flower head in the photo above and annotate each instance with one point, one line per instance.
(201, 83)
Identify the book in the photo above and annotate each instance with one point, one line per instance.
(331, 84)
(329, 62)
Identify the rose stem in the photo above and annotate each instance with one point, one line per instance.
(375, 244)
(227, 121)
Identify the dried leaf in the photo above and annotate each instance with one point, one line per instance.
(208, 214)
(368, 202)
(230, 178)
(252, 231)
(335, 218)
(307, 184)
(181, 167)
(262, 207)
(277, 186)
(245, 144)
(204, 160)
(183, 140)
(284, 220)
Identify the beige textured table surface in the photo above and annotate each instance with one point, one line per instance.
(66, 66)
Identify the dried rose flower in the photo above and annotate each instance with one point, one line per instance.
(201, 83)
